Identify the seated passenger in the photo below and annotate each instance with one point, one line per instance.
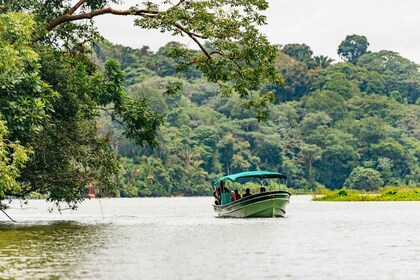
(247, 193)
(235, 196)
(262, 189)
(218, 191)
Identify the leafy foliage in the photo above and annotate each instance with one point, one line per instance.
(353, 47)
(13, 158)
(327, 137)
(364, 179)
(52, 93)
(69, 121)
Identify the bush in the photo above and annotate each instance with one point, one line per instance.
(364, 179)
(386, 194)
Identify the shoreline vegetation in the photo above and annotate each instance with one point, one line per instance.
(389, 193)
(384, 194)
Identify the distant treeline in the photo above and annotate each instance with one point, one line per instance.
(354, 123)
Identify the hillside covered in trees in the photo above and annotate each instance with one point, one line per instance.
(354, 123)
(51, 93)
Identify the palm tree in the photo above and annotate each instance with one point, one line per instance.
(147, 173)
(322, 61)
(188, 156)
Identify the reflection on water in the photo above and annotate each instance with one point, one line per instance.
(180, 238)
(46, 250)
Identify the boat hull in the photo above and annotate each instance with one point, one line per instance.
(263, 205)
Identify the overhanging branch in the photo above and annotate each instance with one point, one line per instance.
(76, 7)
(194, 36)
(71, 17)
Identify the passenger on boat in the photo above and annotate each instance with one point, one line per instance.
(262, 189)
(235, 196)
(247, 193)
(218, 191)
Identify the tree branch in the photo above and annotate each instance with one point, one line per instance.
(179, 3)
(7, 215)
(194, 36)
(113, 118)
(189, 33)
(68, 17)
(76, 7)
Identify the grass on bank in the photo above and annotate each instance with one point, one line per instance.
(385, 194)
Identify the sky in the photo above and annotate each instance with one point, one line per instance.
(321, 24)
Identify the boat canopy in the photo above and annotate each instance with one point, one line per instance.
(251, 174)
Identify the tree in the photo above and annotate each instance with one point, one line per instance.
(363, 106)
(352, 48)
(321, 61)
(352, 73)
(54, 92)
(329, 102)
(364, 179)
(308, 155)
(300, 52)
(313, 122)
(389, 148)
(385, 166)
(26, 100)
(412, 159)
(51, 99)
(398, 73)
(238, 57)
(298, 80)
(267, 147)
(338, 83)
(338, 156)
(375, 83)
(371, 130)
(13, 158)
(387, 61)
(235, 155)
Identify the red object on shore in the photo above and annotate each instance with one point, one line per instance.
(91, 193)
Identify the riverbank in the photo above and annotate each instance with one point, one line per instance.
(385, 194)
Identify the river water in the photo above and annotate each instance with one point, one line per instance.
(180, 238)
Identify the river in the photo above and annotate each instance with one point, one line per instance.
(180, 238)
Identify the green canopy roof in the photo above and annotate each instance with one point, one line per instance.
(251, 174)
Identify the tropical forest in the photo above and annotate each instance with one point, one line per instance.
(353, 124)
(78, 109)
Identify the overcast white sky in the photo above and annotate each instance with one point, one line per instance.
(321, 24)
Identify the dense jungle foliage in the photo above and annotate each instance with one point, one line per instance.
(51, 94)
(75, 109)
(354, 123)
